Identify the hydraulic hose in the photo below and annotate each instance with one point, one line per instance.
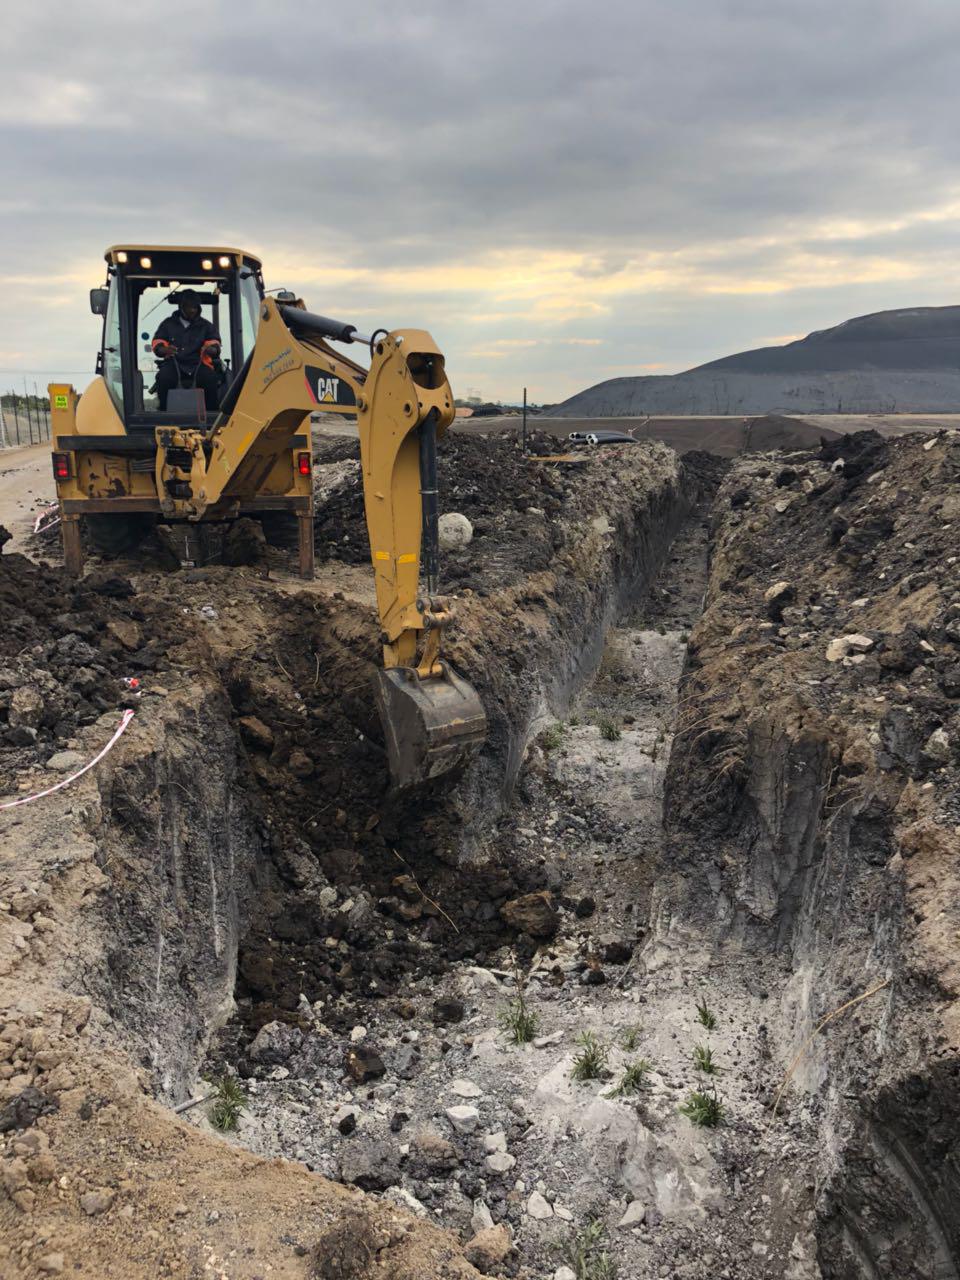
(429, 500)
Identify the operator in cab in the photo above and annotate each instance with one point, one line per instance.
(187, 346)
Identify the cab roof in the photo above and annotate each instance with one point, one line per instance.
(111, 254)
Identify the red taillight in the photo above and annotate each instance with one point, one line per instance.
(303, 463)
(61, 466)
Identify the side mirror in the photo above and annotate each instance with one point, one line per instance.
(98, 301)
(286, 295)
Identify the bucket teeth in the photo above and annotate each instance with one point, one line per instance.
(430, 725)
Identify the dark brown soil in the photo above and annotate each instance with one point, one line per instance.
(511, 500)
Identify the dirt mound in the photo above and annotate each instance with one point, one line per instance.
(813, 798)
(512, 501)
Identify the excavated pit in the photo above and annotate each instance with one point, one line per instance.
(244, 895)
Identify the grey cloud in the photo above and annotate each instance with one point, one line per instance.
(442, 132)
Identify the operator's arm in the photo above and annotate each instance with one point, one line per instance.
(163, 340)
(210, 346)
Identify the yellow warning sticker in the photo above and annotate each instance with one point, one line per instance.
(409, 558)
(381, 555)
(60, 402)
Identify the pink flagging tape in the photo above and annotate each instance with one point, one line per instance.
(12, 804)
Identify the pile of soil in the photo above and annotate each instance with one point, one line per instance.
(511, 499)
(814, 811)
(65, 648)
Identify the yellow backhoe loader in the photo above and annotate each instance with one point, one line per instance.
(121, 463)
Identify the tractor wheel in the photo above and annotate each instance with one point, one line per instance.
(115, 535)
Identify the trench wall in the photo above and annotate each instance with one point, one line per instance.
(183, 836)
(784, 842)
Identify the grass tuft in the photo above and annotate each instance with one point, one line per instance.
(609, 729)
(552, 737)
(520, 1023)
(705, 1015)
(630, 1038)
(703, 1060)
(633, 1079)
(229, 1100)
(591, 1061)
(703, 1109)
(586, 1255)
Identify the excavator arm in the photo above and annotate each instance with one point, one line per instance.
(432, 717)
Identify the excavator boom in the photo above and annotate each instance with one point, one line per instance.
(432, 718)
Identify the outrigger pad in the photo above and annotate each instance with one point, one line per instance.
(430, 726)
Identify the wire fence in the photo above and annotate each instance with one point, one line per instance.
(24, 419)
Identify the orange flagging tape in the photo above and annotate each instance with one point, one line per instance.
(12, 804)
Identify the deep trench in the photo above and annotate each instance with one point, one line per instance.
(265, 935)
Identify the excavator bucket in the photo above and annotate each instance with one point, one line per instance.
(430, 725)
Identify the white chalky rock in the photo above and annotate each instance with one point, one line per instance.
(842, 646)
(564, 1273)
(494, 1142)
(63, 761)
(466, 1089)
(357, 1034)
(634, 1215)
(938, 746)
(482, 1219)
(500, 1162)
(455, 531)
(538, 1208)
(464, 1119)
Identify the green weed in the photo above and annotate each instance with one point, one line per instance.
(609, 729)
(520, 1023)
(705, 1015)
(703, 1109)
(703, 1060)
(630, 1038)
(591, 1061)
(229, 1100)
(633, 1079)
(585, 1253)
(552, 737)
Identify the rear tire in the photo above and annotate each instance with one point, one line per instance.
(114, 535)
(280, 529)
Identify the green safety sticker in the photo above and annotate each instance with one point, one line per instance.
(60, 402)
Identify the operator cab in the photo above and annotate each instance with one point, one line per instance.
(141, 290)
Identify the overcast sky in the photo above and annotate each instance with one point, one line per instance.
(561, 192)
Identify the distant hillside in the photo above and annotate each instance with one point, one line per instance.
(905, 361)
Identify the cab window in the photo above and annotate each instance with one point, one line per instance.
(154, 306)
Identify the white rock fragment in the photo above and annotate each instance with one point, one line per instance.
(455, 531)
(464, 1119)
(562, 1212)
(538, 1208)
(466, 1089)
(937, 746)
(499, 1162)
(634, 1215)
(494, 1142)
(544, 1042)
(482, 1219)
(842, 646)
(63, 761)
(564, 1273)
(357, 1034)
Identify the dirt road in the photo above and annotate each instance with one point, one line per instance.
(26, 482)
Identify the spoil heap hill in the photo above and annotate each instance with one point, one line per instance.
(903, 361)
